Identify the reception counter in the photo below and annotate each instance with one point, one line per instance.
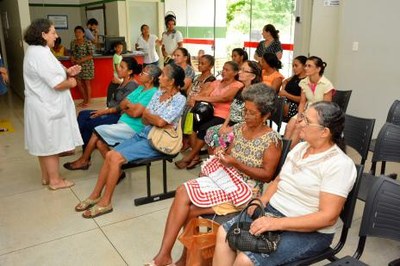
(103, 73)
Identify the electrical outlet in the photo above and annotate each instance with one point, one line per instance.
(355, 46)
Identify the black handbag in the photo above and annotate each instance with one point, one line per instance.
(203, 111)
(239, 237)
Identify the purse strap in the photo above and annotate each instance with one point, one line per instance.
(254, 202)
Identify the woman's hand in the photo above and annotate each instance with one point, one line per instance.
(264, 224)
(226, 159)
(74, 70)
(71, 82)
(98, 113)
(225, 130)
(124, 104)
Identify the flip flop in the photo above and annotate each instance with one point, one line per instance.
(67, 184)
(97, 211)
(181, 164)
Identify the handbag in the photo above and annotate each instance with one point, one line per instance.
(202, 111)
(239, 237)
(166, 140)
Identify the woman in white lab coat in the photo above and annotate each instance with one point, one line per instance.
(49, 113)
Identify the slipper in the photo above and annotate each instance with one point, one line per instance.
(86, 204)
(181, 164)
(96, 211)
(152, 263)
(67, 184)
(194, 163)
(70, 167)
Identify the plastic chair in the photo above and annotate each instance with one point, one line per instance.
(347, 217)
(381, 217)
(342, 98)
(277, 116)
(358, 134)
(387, 149)
(393, 117)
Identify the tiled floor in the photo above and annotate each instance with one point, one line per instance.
(40, 227)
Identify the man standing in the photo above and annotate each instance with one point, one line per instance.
(171, 38)
(91, 31)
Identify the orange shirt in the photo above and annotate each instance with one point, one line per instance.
(221, 109)
(268, 79)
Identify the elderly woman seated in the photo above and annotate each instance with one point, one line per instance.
(164, 109)
(254, 153)
(307, 196)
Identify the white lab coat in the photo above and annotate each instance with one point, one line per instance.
(49, 115)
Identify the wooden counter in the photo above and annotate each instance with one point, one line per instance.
(103, 73)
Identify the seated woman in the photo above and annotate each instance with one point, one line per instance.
(89, 119)
(164, 109)
(271, 76)
(307, 196)
(221, 96)
(128, 124)
(199, 87)
(255, 167)
(239, 56)
(291, 89)
(182, 59)
(221, 135)
(315, 87)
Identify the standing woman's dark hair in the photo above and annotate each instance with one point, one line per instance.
(79, 28)
(33, 34)
(318, 63)
(142, 27)
(272, 60)
(133, 65)
(235, 67)
(177, 74)
(271, 29)
(256, 70)
(210, 59)
(332, 117)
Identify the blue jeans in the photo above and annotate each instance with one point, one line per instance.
(87, 124)
(137, 147)
(293, 246)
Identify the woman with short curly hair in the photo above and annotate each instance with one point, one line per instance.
(49, 114)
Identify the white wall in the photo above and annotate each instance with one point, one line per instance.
(372, 72)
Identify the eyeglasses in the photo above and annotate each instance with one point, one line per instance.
(245, 71)
(144, 73)
(303, 117)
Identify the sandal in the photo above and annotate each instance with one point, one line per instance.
(86, 204)
(194, 163)
(181, 164)
(67, 184)
(45, 182)
(70, 167)
(96, 211)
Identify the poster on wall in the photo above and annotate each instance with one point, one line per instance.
(331, 2)
(60, 21)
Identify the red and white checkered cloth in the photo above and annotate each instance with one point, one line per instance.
(218, 184)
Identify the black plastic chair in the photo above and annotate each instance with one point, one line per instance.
(358, 134)
(381, 217)
(387, 149)
(393, 117)
(277, 116)
(347, 217)
(342, 98)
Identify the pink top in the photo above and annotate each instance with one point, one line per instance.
(221, 109)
